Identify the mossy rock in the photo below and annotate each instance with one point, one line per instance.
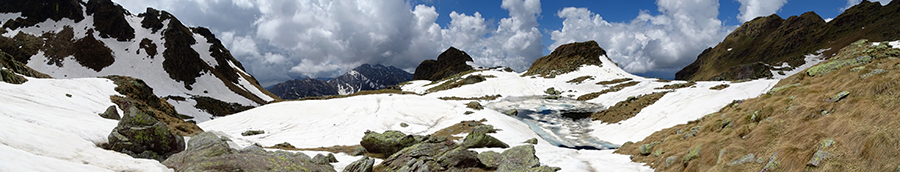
(480, 139)
(388, 142)
(692, 154)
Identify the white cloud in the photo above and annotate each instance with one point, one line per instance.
(754, 8)
(661, 43)
(851, 3)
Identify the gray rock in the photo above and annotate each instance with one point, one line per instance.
(744, 159)
(773, 162)
(402, 124)
(209, 152)
(490, 159)
(418, 157)
(389, 142)
(364, 164)
(140, 135)
(646, 149)
(533, 141)
(819, 157)
(474, 105)
(252, 132)
(468, 113)
(511, 112)
(478, 139)
(111, 113)
(839, 96)
(670, 160)
(323, 159)
(522, 158)
(357, 151)
(459, 157)
(484, 129)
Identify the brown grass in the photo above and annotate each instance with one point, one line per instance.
(627, 109)
(719, 87)
(614, 81)
(594, 95)
(580, 79)
(790, 123)
(676, 86)
(486, 97)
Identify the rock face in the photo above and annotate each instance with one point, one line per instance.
(567, 58)
(140, 135)
(364, 77)
(450, 62)
(153, 46)
(772, 40)
(139, 95)
(209, 152)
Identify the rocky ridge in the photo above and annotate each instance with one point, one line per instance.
(452, 61)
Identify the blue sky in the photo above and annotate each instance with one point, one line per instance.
(282, 40)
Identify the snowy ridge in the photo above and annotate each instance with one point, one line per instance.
(133, 61)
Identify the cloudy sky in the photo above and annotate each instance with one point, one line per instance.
(278, 40)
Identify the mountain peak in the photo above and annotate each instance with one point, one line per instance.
(567, 58)
(450, 62)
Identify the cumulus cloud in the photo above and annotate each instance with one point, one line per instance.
(649, 43)
(851, 3)
(751, 9)
(281, 40)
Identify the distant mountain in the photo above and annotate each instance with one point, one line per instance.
(364, 77)
(95, 38)
(751, 50)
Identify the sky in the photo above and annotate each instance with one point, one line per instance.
(287, 39)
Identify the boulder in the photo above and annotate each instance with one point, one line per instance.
(460, 157)
(490, 159)
(111, 113)
(364, 164)
(450, 62)
(474, 105)
(324, 159)
(419, 157)
(209, 152)
(140, 135)
(533, 141)
(522, 158)
(252, 132)
(388, 142)
(479, 139)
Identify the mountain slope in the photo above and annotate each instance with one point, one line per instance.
(752, 50)
(364, 77)
(840, 115)
(100, 38)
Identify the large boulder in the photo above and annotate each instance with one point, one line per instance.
(480, 139)
(364, 164)
(567, 58)
(450, 62)
(140, 135)
(388, 142)
(209, 152)
(522, 158)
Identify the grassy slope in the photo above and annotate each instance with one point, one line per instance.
(790, 122)
(773, 40)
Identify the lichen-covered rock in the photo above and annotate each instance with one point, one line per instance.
(141, 136)
(419, 156)
(693, 154)
(839, 96)
(111, 113)
(479, 139)
(209, 152)
(645, 149)
(324, 159)
(773, 162)
(744, 159)
(522, 158)
(819, 157)
(490, 159)
(873, 73)
(671, 160)
(828, 67)
(552, 91)
(10, 77)
(533, 141)
(460, 157)
(512, 112)
(364, 164)
(388, 142)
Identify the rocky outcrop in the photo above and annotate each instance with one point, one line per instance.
(772, 40)
(36, 11)
(209, 152)
(109, 19)
(567, 58)
(450, 62)
(140, 96)
(140, 135)
(388, 142)
(111, 113)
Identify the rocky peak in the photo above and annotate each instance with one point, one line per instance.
(450, 62)
(36, 11)
(567, 58)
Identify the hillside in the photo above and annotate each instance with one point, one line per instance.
(767, 43)
(78, 39)
(837, 116)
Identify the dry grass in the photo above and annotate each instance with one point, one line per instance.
(614, 81)
(791, 123)
(627, 109)
(486, 97)
(594, 95)
(580, 79)
(719, 87)
(677, 86)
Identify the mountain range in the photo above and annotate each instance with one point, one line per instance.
(364, 77)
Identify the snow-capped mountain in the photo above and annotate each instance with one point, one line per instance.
(77, 39)
(369, 77)
(364, 77)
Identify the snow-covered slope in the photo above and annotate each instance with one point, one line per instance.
(132, 58)
(45, 130)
